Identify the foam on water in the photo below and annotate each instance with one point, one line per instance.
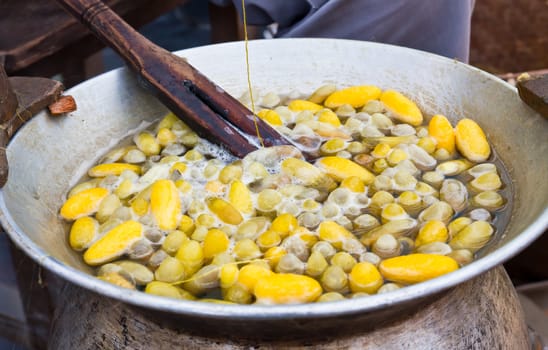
(207, 148)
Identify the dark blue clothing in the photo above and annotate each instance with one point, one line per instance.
(437, 26)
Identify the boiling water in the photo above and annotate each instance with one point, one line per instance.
(271, 159)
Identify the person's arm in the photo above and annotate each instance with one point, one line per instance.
(437, 26)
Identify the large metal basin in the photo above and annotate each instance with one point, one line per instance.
(49, 155)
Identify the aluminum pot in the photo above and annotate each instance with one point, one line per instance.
(50, 154)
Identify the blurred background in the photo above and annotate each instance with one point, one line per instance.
(508, 37)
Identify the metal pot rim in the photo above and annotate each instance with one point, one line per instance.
(262, 312)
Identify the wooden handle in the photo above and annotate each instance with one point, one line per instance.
(8, 100)
(20, 99)
(111, 29)
(8, 107)
(181, 87)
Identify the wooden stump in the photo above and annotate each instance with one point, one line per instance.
(483, 313)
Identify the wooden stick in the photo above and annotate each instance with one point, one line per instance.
(8, 107)
(20, 99)
(200, 103)
(8, 100)
(33, 94)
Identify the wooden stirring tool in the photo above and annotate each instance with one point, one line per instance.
(200, 103)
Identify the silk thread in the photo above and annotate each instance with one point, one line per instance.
(246, 41)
